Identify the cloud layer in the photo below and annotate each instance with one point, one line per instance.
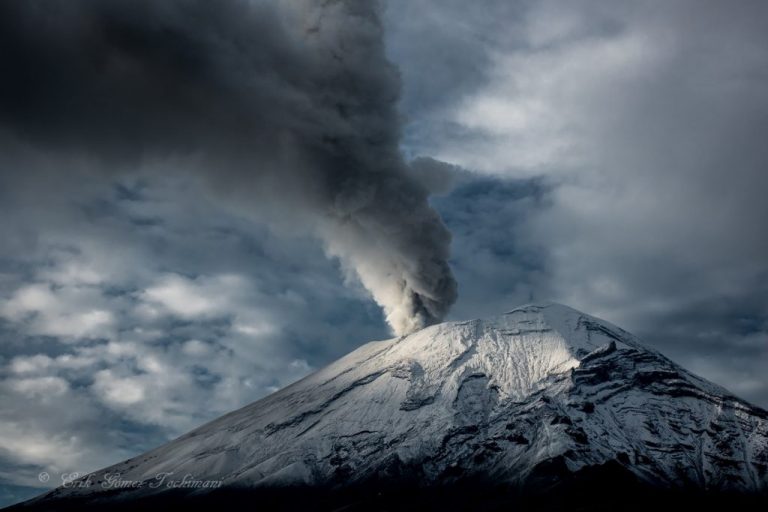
(118, 332)
(284, 108)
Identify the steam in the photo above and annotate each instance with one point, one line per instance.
(286, 107)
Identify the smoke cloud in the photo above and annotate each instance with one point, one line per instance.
(281, 106)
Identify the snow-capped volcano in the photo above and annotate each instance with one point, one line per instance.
(540, 392)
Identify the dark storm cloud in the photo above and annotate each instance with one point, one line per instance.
(281, 107)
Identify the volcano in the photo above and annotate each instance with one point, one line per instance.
(541, 408)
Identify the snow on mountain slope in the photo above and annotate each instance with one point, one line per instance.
(542, 386)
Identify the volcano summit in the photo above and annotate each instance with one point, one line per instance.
(543, 406)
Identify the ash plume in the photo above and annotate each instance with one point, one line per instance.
(287, 106)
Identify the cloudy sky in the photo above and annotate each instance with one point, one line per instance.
(203, 202)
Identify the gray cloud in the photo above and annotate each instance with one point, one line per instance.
(283, 108)
(647, 122)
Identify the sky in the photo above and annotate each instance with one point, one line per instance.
(176, 243)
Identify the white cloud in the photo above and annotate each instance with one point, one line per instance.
(71, 272)
(29, 299)
(119, 391)
(195, 348)
(45, 387)
(32, 446)
(30, 364)
(66, 312)
(204, 296)
(181, 296)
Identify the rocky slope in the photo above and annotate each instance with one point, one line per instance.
(523, 399)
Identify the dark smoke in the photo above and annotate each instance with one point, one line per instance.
(290, 103)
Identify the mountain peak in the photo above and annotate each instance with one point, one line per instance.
(507, 398)
(516, 351)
